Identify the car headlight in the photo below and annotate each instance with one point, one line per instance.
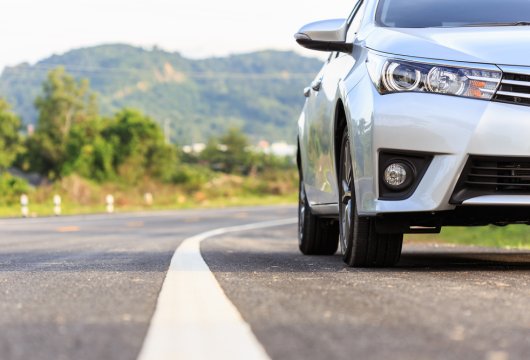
(394, 75)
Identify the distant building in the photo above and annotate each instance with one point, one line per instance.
(283, 149)
(277, 149)
(196, 148)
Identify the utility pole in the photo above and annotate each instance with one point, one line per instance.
(167, 131)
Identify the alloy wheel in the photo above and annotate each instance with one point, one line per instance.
(346, 199)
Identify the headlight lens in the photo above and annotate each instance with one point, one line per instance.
(396, 75)
(401, 77)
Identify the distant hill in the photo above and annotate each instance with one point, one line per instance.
(260, 92)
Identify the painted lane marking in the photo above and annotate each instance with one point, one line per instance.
(194, 319)
(68, 229)
(135, 224)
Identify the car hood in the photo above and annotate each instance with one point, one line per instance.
(492, 45)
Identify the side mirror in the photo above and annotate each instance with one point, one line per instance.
(327, 35)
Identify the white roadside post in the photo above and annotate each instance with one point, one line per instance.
(110, 203)
(24, 204)
(57, 205)
(148, 198)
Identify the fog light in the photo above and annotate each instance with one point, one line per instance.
(400, 173)
(397, 175)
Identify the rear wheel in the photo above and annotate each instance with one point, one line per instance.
(361, 245)
(316, 236)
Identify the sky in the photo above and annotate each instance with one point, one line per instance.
(31, 30)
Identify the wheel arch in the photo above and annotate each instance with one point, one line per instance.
(298, 158)
(340, 123)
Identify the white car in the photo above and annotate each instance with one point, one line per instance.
(419, 119)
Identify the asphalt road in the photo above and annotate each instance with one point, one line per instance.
(87, 287)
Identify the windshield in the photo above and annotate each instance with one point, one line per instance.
(451, 13)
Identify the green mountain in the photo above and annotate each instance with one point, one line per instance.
(260, 92)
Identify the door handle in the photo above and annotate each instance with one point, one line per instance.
(317, 84)
(307, 92)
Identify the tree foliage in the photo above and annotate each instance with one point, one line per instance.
(88, 153)
(139, 147)
(228, 153)
(72, 138)
(11, 188)
(231, 153)
(65, 102)
(11, 143)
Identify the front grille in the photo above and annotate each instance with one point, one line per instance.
(493, 176)
(514, 89)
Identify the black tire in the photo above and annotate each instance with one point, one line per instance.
(361, 245)
(316, 236)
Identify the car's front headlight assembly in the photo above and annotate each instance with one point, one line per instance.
(394, 75)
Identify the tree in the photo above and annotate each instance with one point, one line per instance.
(228, 153)
(65, 102)
(88, 153)
(139, 147)
(11, 143)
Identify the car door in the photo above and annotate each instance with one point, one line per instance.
(319, 168)
(311, 142)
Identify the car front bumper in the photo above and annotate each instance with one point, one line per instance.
(447, 127)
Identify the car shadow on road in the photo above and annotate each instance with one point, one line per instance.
(277, 251)
(461, 260)
(431, 260)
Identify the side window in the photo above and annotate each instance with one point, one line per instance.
(355, 21)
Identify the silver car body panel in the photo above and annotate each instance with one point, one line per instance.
(451, 128)
(328, 30)
(436, 125)
(471, 44)
(506, 200)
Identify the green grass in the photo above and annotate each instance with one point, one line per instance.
(514, 236)
(82, 196)
(510, 237)
(37, 210)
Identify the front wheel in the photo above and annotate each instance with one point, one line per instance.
(361, 245)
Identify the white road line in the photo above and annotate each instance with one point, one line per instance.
(194, 319)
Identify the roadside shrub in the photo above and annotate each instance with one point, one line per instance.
(11, 188)
(193, 177)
